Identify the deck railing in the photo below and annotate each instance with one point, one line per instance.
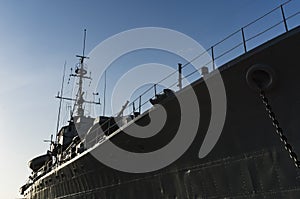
(248, 40)
(284, 18)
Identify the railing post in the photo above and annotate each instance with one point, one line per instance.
(155, 89)
(244, 40)
(140, 104)
(213, 57)
(133, 107)
(284, 19)
(180, 76)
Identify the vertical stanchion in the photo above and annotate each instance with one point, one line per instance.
(155, 89)
(284, 19)
(140, 104)
(213, 57)
(179, 76)
(244, 40)
(133, 107)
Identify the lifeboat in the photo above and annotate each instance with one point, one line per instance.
(36, 163)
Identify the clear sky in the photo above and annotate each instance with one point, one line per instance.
(37, 37)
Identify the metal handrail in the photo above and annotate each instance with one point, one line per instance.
(244, 42)
(214, 58)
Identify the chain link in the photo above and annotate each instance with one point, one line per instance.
(279, 131)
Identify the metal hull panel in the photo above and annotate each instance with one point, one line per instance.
(248, 161)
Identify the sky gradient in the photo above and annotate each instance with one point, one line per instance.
(37, 37)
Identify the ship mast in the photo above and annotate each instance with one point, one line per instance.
(80, 72)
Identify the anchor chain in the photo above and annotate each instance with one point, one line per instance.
(278, 129)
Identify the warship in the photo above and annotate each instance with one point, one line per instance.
(254, 157)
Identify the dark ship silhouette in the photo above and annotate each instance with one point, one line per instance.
(255, 156)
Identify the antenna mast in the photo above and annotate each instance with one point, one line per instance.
(61, 94)
(80, 72)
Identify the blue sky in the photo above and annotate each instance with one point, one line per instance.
(37, 37)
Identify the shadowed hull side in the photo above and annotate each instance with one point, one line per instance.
(248, 160)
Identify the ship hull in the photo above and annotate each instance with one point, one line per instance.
(248, 161)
